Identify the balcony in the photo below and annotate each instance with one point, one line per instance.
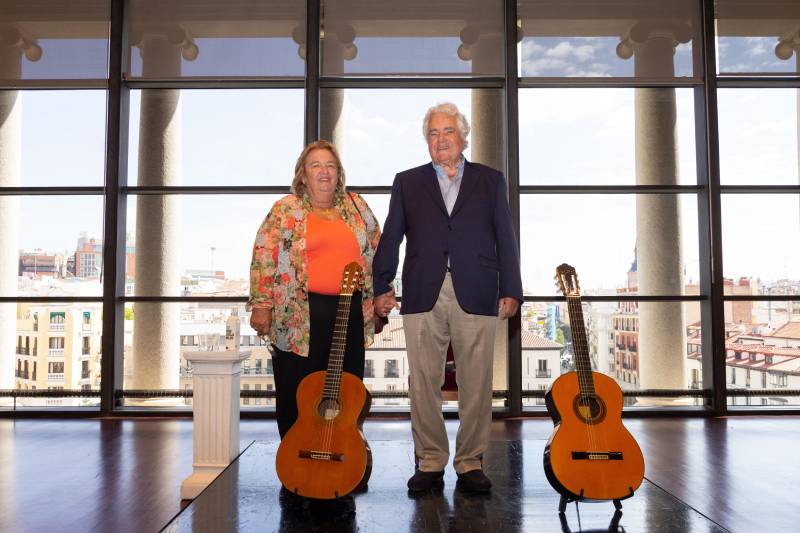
(85, 374)
(57, 326)
(22, 351)
(54, 378)
(55, 352)
(21, 374)
(546, 373)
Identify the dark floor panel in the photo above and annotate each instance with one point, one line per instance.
(246, 498)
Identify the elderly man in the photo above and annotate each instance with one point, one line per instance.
(461, 271)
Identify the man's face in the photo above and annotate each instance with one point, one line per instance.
(444, 140)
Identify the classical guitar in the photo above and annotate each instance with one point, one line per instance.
(325, 455)
(590, 455)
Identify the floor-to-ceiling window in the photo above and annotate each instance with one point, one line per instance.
(54, 70)
(666, 175)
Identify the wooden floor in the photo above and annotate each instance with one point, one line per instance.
(738, 474)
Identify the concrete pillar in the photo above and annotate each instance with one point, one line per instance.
(156, 326)
(486, 141)
(662, 333)
(10, 171)
(487, 106)
(331, 105)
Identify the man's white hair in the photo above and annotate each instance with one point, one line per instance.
(448, 108)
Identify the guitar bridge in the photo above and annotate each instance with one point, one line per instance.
(321, 456)
(597, 456)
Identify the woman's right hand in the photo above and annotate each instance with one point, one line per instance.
(260, 320)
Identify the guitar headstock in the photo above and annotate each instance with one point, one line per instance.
(352, 279)
(567, 280)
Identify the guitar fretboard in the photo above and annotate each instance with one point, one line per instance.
(583, 362)
(333, 377)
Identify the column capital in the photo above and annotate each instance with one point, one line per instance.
(788, 44)
(13, 37)
(674, 32)
(174, 34)
(345, 36)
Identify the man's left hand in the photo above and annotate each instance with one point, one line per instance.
(508, 307)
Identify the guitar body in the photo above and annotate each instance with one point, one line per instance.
(325, 455)
(590, 455)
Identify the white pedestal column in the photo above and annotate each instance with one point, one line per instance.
(215, 416)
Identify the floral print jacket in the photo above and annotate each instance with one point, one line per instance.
(278, 273)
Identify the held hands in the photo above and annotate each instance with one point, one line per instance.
(261, 320)
(507, 308)
(384, 303)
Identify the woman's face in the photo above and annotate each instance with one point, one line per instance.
(321, 174)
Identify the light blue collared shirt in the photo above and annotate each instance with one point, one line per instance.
(449, 187)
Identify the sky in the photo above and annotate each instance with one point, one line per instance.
(567, 136)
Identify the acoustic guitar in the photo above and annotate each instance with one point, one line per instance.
(590, 455)
(325, 454)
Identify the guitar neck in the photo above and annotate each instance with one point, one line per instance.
(333, 377)
(583, 362)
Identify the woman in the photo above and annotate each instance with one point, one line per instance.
(300, 251)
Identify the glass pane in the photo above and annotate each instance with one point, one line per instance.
(760, 236)
(222, 137)
(642, 39)
(599, 126)
(189, 38)
(389, 348)
(52, 245)
(758, 136)
(198, 245)
(376, 141)
(762, 350)
(51, 346)
(52, 138)
(155, 331)
(456, 38)
(757, 37)
(597, 235)
(57, 39)
(387, 369)
(626, 341)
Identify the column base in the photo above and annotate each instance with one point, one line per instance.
(192, 486)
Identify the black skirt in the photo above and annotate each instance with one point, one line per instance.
(290, 368)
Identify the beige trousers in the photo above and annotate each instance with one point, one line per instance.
(427, 337)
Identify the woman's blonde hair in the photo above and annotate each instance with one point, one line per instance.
(298, 186)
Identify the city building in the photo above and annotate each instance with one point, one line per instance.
(58, 347)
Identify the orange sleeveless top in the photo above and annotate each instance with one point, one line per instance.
(330, 246)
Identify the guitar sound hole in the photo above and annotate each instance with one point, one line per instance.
(589, 409)
(328, 408)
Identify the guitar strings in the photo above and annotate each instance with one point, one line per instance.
(583, 368)
(333, 375)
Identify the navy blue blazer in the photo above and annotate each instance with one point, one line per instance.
(478, 237)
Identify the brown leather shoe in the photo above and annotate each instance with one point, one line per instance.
(422, 481)
(474, 481)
